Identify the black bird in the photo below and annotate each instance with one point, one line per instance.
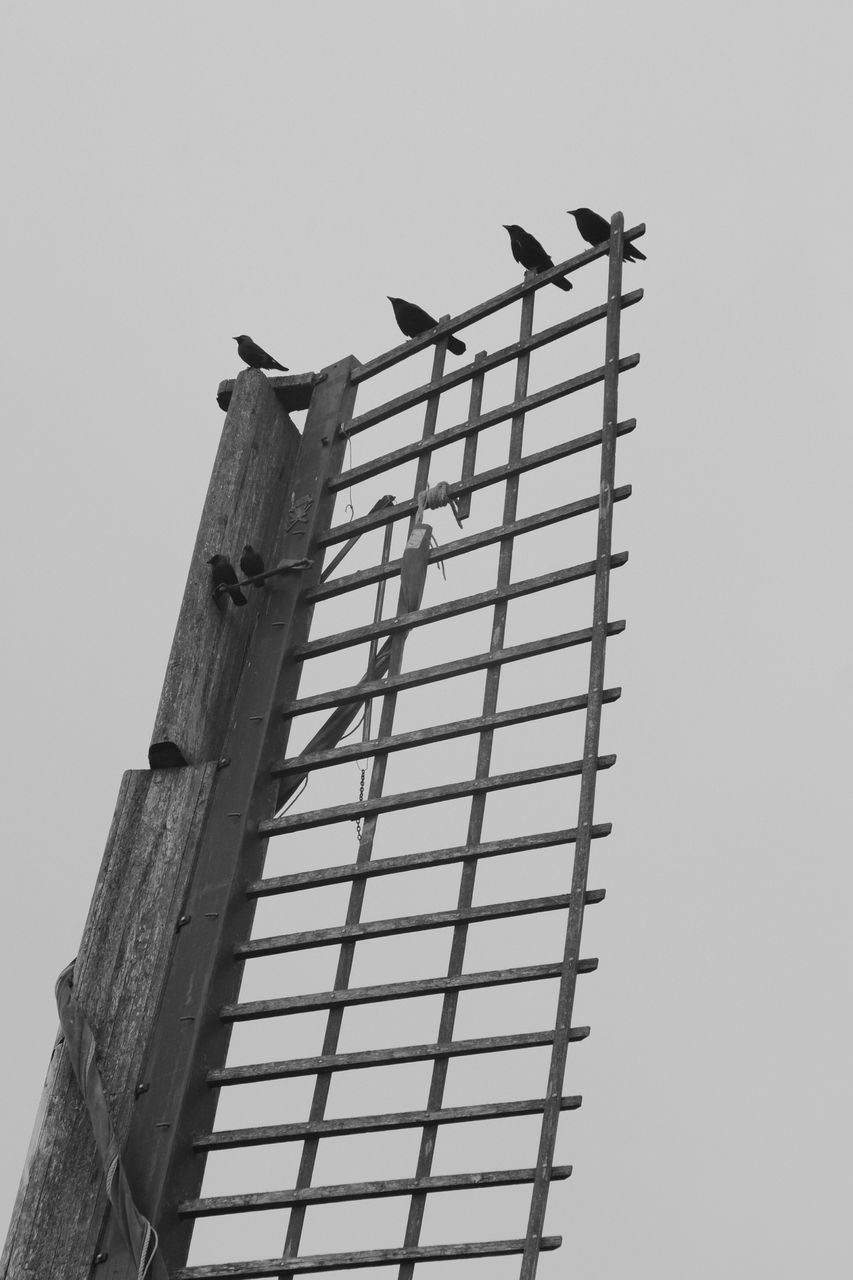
(222, 574)
(413, 320)
(255, 356)
(251, 564)
(527, 250)
(595, 230)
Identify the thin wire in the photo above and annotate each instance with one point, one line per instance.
(297, 793)
(349, 507)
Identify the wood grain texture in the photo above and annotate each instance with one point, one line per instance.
(118, 977)
(247, 501)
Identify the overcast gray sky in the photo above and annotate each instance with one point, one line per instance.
(177, 173)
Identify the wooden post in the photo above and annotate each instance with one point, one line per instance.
(137, 909)
(247, 501)
(118, 978)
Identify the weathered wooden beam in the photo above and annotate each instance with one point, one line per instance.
(413, 861)
(461, 431)
(483, 363)
(118, 978)
(343, 1126)
(531, 283)
(337, 1192)
(445, 670)
(426, 795)
(407, 924)
(453, 608)
(292, 391)
(291, 1067)
(247, 501)
(343, 998)
(495, 475)
(309, 1264)
(471, 542)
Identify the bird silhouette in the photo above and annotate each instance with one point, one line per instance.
(527, 250)
(413, 320)
(224, 579)
(595, 230)
(252, 564)
(254, 356)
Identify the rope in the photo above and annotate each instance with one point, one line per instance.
(437, 495)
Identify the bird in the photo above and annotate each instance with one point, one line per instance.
(413, 320)
(595, 230)
(223, 575)
(527, 250)
(254, 356)
(252, 564)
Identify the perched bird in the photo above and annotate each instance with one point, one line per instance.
(595, 230)
(255, 356)
(413, 320)
(251, 564)
(222, 574)
(527, 250)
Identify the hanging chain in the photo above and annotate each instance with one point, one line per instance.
(360, 798)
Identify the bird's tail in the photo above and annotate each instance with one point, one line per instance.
(631, 253)
(237, 596)
(562, 283)
(282, 368)
(457, 346)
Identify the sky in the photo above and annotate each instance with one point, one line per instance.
(178, 173)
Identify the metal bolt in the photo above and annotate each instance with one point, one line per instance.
(99, 1258)
(182, 920)
(140, 1089)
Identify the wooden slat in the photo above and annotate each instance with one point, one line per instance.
(426, 795)
(461, 546)
(264, 1135)
(453, 608)
(252, 1201)
(276, 1007)
(436, 733)
(586, 800)
(461, 430)
(495, 475)
(413, 861)
(312, 1263)
(285, 942)
(445, 670)
(452, 324)
(255, 1073)
(483, 364)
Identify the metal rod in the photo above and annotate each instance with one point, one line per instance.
(586, 803)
